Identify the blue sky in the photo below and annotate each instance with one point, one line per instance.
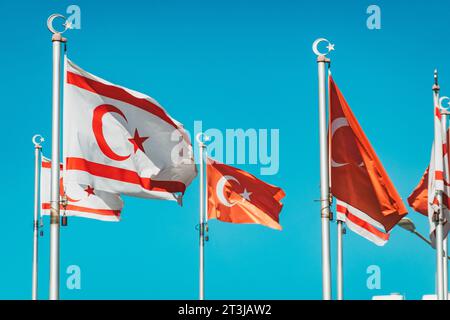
(231, 64)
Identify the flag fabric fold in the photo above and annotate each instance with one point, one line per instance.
(82, 200)
(236, 196)
(121, 141)
(367, 200)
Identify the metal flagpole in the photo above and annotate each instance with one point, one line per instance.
(201, 138)
(324, 169)
(340, 260)
(37, 140)
(57, 40)
(439, 216)
(445, 262)
(445, 113)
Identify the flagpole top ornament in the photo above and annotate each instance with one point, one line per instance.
(202, 138)
(51, 20)
(436, 87)
(317, 52)
(441, 101)
(37, 140)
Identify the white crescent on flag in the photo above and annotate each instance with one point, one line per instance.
(219, 190)
(121, 141)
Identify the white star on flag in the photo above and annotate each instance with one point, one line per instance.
(246, 195)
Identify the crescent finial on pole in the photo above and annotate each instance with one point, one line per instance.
(444, 110)
(315, 47)
(202, 138)
(52, 18)
(37, 140)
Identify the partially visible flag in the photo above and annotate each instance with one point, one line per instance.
(82, 200)
(236, 196)
(367, 201)
(436, 178)
(122, 141)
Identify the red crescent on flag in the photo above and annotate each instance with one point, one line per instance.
(63, 192)
(97, 127)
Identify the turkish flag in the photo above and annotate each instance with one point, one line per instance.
(122, 141)
(236, 196)
(367, 201)
(82, 200)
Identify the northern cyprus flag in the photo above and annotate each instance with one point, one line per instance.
(122, 141)
(82, 200)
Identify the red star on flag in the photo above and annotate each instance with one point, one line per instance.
(137, 141)
(90, 191)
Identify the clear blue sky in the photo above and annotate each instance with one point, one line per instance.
(231, 64)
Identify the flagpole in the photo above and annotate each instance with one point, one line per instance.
(439, 216)
(37, 140)
(340, 260)
(445, 113)
(57, 40)
(322, 61)
(445, 262)
(201, 138)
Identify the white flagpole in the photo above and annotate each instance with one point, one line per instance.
(57, 40)
(439, 216)
(325, 200)
(37, 140)
(201, 227)
(445, 241)
(445, 262)
(340, 260)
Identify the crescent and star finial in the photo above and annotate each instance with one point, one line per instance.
(202, 138)
(51, 20)
(444, 110)
(37, 140)
(316, 44)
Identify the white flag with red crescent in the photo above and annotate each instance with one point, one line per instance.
(436, 178)
(121, 141)
(82, 200)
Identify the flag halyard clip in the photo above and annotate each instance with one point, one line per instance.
(64, 203)
(204, 230)
(41, 227)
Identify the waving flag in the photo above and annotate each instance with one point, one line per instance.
(82, 200)
(436, 178)
(121, 141)
(366, 198)
(236, 196)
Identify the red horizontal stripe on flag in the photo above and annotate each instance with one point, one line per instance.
(341, 209)
(439, 175)
(118, 93)
(124, 175)
(48, 165)
(103, 212)
(362, 223)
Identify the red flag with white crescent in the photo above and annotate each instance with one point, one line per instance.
(236, 196)
(367, 201)
(82, 200)
(122, 141)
